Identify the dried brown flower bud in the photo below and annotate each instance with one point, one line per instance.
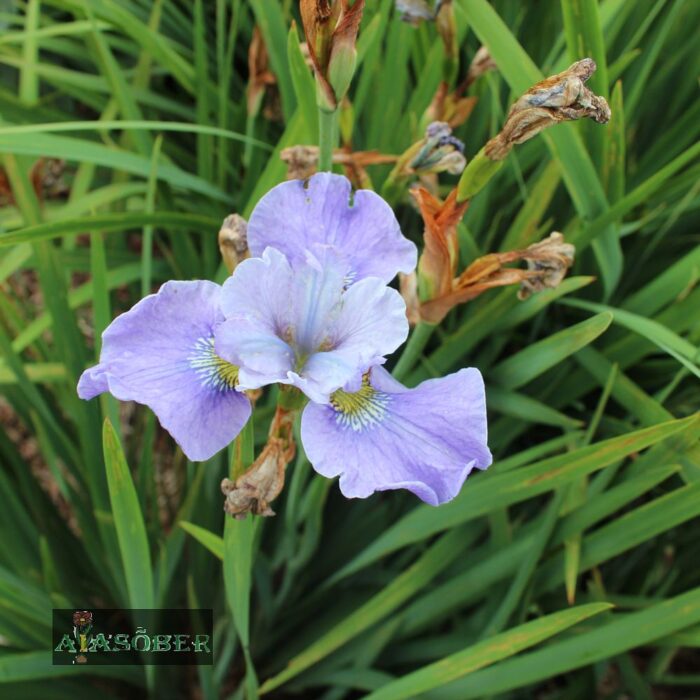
(481, 63)
(415, 11)
(408, 287)
(438, 151)
(253, 491)
(233, 241)
(439, 290)
(47, 178)
(302, 161)
(450, 107)
(549, 259)
(438, 261)
(259, 74)
(331, 27)
(561, 97)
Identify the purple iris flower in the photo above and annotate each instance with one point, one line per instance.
(161, 353)
(311, 310)
(302, 326)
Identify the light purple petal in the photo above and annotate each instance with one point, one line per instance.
(302, 327)
(299, 216)
(426, 440)
(161, 354)
(261, 356)
(370, 324)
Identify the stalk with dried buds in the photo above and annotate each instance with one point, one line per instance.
(559, 98)
(331, 28)
(254, 490)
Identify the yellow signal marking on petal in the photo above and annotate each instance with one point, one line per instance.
(360, 409)
(212, 370)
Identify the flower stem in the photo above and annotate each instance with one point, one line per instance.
(327, 137)
(416, 343)
(477, 175)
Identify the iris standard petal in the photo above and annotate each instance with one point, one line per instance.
(385, 436)
(161, 354)
(371, 322)
(301, 326)
(298, 216)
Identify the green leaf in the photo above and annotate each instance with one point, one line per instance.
(238, 556)
(36, 665)
(131, 125)
(626, 532)
(430, 564)
(494, 490)
(641, 193)
(512, 403)
(541, 356)
(212, 542)
(128, 106)
(683, 350)
(28, 79)
(485, 653)
(84, 151)
(129, 523)
(116, 221)
(304, 84)
(623, 632)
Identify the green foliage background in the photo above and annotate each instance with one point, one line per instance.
(592, 387)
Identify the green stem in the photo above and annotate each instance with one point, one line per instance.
(416, 343)
(477, 175)
(327, 137)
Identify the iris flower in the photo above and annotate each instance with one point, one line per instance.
(310, 309)
(301, 325)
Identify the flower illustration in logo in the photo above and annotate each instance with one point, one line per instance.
(82, 624)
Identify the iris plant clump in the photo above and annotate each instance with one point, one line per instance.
(312, 311)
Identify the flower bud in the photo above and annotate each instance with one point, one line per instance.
(475, 176)
(414, 11)
(331, 28)
(233, 241)
(439, 152)
(438, 261)
(562, 97)
(254, 490)
(341, 67)
(446, 26)
(260, 76)
(549, 261)
(481, 63)
(302, 161)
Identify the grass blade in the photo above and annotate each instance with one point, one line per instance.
(485, 653)
(128, 522)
